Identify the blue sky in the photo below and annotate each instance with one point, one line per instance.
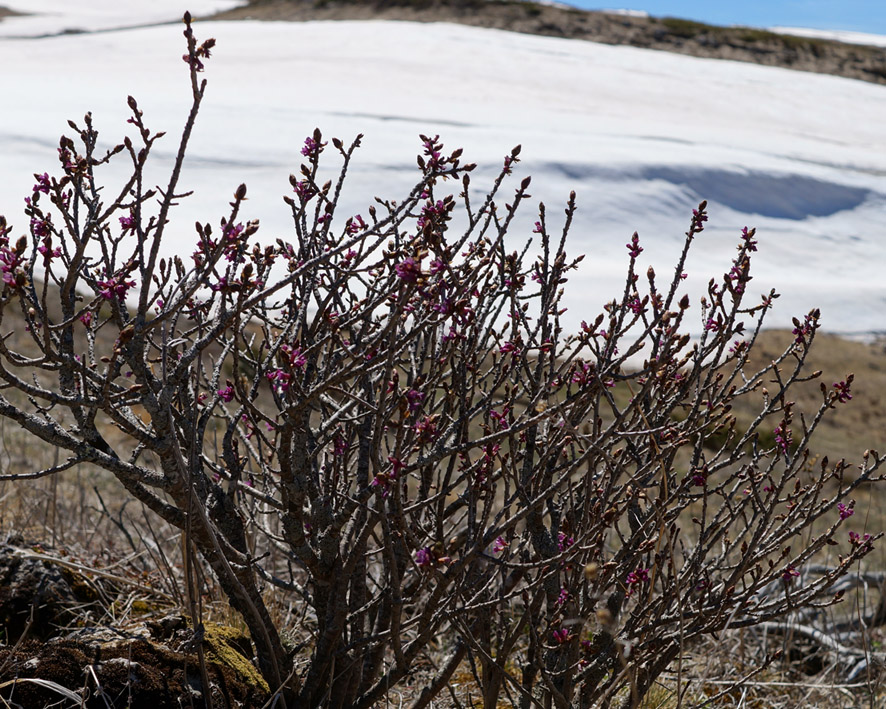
(857, 15)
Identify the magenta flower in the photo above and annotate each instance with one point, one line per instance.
(857, 540)
(355, 225)
(563, 597)
(415, 398)
(561, 636)
(698, 219)
(499, 545)
(279, 380)
(501, 419)
(790, 573)
(633, 247)
(635, 578)
(312, 148)
(115, 287)
(42, 183)
(747, 236)
(564, 541)
(295, 356)
(510, 348)
(409, 270)
(700, 477)
(423, 557)
(226, 394)
(636, 305)
(11, 267)
(783, 437)
(339, 445)
(842, 391)
(305, 191)
(127, 223)
(426, 428)
(845, 511)
(803, 330)
(41, 228)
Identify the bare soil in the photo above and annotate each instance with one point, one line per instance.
(6, 12)
(667, 34)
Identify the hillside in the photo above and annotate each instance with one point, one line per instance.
(669, 34)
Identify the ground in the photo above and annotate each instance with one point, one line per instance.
(668, 34)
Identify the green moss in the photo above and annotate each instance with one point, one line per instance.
(225, 645)
(80, 585)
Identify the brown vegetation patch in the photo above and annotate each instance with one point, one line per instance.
(139, 674)
(6, 12)
(668, 34)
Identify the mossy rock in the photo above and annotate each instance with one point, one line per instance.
(231, 647)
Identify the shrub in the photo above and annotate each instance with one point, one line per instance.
(385, 423)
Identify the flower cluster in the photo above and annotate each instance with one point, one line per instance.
(292, 359)
(635, 578)
(11, 267)
(783, 437)
(564, 541)
(313, 147)
(127, 224)
(115, 287)
(802, 330)
(409, 270)
(841, 389)
(790, 573)
(633, 246)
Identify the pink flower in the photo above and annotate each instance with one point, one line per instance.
(842, 390)
(790, 573)
(115, 287)
(423, 557)
(305, 190)
(312, 147)
(856, 540)
(633, 246)
(226, 394)
(11, 267)
(783, 437)
(354, 225)
(42, 183)
(499, 545)
(747, 236)
(510, 348)
(127, 223)
(279, 380)
(844, 511)
(635, 578)
(561, 636)
(409, 270)
(564, 541)
(415, 398)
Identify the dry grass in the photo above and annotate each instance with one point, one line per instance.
(86, 516)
